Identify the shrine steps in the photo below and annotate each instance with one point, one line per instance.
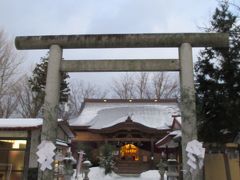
(131, 168)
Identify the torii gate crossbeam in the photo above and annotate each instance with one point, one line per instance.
(120, 65)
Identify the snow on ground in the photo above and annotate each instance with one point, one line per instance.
(97, 173)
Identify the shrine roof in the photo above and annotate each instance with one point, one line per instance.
(30, 123)
(20, 122)
(104, 113)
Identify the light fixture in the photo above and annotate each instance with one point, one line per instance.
(15, 143)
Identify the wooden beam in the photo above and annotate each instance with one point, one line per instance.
(129, 139)
(119, 65)
(13, 134)
(123, 40)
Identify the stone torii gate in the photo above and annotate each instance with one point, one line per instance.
(183, 41)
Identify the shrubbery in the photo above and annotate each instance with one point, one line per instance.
(107, 158)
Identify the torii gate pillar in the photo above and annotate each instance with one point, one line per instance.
(52, 92)
(188, 102)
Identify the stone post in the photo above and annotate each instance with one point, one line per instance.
(152, 154)
(162, 165)
(187, 106)
(49, 127)
(172, 173)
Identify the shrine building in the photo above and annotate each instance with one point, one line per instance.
(19, 139)
(140, 130)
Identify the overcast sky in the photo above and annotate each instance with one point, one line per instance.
(52, 17)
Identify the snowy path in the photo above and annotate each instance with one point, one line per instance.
(97, 173)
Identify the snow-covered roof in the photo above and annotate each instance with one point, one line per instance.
(20, 122)
(98, 114)
(30, 123)
(61, 143)
(168, 140)
(176, 133)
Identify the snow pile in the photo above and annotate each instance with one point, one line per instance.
(97, 173)
(176, 133)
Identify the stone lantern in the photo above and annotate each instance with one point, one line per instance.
(172, 173)
(162, 165)
(86, 165)
(68, 162)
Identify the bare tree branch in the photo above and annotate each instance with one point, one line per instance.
(29, 102)
(9, 62)
(146, 86)
(124, 87)
(81, 90)
(142, 85)
(164, 86)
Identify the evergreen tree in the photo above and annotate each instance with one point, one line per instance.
(38, 84)
(106, 158)
(218, 81)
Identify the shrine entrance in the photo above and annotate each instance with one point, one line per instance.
(183, 41)
(129, 152)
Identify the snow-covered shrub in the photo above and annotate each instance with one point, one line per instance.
(106, 158)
